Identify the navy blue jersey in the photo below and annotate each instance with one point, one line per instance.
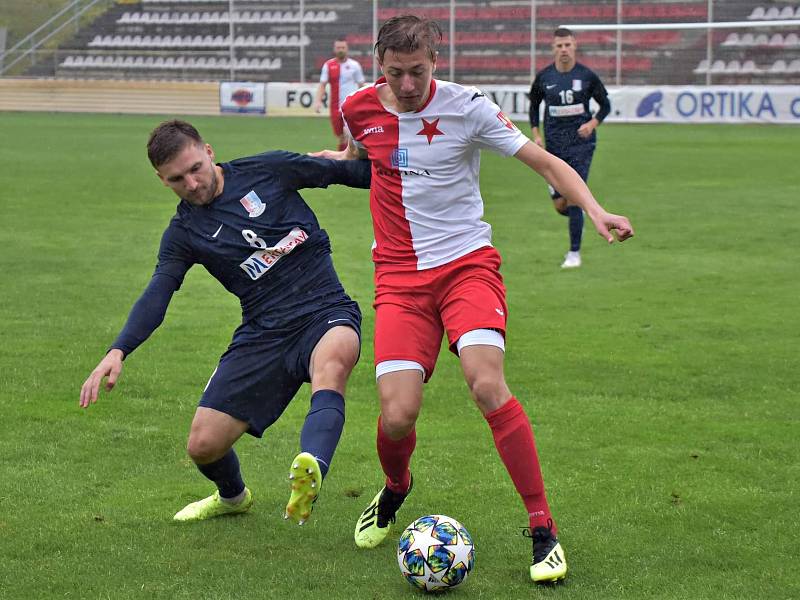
(566, 97)
(259, 238)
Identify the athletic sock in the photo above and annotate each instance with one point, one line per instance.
(513, 438)
(395, 457)
(575, 227)
(323, 427)
(226, 474)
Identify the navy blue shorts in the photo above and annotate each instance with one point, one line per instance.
(580, 161)
(262, 369)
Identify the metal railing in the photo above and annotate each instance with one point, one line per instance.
(30, 45)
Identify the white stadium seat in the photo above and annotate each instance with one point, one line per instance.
(787, 13)
(733, 67)
(794, 66)
(717, 67)
(779, 66)
(749, 67)
(757, 14)
(731, 40)
(792, 40)
(773, 12)
(747, 39)
(776, 40)
(702, 67)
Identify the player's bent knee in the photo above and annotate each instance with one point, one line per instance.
(397, 422)
(489, 392)
(203, 448)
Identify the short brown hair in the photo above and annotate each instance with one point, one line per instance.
(168, 139)
(408, 33)
(563, 32)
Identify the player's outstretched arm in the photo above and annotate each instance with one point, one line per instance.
(352, 152)
(145, 317)
(564, 178)
(111, 367)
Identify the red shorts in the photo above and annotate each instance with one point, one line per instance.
(337, 123)
(413, 309)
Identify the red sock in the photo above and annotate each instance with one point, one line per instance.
(395, 456)
(513, 438)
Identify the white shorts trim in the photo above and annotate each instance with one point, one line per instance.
(481, 337)
(391, 366)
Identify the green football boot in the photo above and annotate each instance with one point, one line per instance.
(549, 564)
(306, 479)
(214, 506)
(375, 522)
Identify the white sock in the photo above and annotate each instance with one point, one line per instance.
(236, 499)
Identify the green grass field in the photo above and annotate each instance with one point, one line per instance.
(661, 378)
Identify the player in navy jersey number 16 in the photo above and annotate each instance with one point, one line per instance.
(566, 87)
(436, 270)
(245, 222)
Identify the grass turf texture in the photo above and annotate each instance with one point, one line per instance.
(661, 378)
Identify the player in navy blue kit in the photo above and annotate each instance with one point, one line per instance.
(246, 224)
(566, 86)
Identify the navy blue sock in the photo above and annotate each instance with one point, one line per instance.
(323, 427)
(226, 474)
(575, 227)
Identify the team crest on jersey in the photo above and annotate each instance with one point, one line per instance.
(253, 204)
(400, 158)
(505, 120)
(577, 85)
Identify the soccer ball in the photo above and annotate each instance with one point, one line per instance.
(435, 553)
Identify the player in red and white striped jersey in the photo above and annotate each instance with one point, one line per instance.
(435, 268)
(344, 76)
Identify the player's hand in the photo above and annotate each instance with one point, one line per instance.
(538, 141)
(317, 107)
(334, 154)
(612, 227)
(586, 129)
(110, 367)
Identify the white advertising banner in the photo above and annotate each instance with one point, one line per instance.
(242, 97)
(678, 104)
(292, 99)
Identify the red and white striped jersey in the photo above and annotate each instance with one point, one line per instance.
(344, 78)
(425, 196)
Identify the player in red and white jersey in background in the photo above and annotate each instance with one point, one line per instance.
(436, 269)
(344, 76)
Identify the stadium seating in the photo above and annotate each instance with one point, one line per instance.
(193, 38)
(204, 18)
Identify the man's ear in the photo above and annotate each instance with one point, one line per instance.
(210, 151)
(161, 178)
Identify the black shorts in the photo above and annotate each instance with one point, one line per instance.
(580, 161)
(262, 369)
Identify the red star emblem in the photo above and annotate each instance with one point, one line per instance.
(429, 130)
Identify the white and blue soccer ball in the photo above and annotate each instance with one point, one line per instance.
(435, 553)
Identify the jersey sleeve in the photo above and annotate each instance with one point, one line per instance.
(323, 76)
(175, 255)
(489, 127)
(298, 171)
(359, 74)
(147, 313)
(536, 96)
(174, 260)
(600, 95)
